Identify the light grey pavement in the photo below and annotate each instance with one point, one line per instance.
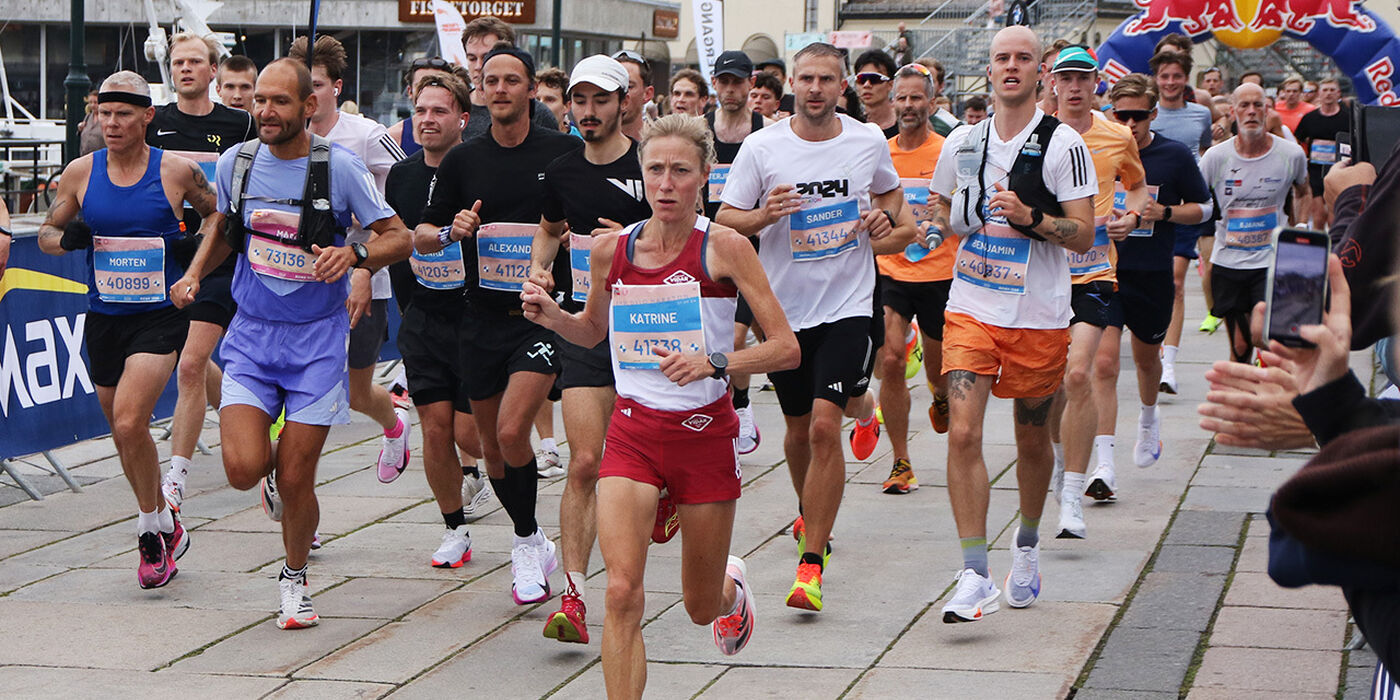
(1166, 598)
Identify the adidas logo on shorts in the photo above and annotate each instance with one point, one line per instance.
(697, 422)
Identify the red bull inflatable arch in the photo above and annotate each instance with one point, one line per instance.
(1362, 45)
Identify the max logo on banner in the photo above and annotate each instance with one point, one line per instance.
(37, 377)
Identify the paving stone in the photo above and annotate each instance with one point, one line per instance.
(1276, 670)
(1064, 562)
(1254, 557)
(1241, 694)
(467, 673)
(779, 682)
(1359, 680)
(213, 550)
(1255, 589)
(98, 505)
(1144, 659)
(192, 588)
(1194, 559)
(1275, 628)
(339, 515)
(39, 682)
(382, 597)
(13, 576)
(1064, 635)
(883, 682)
(1205, 528)
(264, 649)
(1227, 498)
(319, 690)
(1101, 694)
(663, 681)
(1174, 601)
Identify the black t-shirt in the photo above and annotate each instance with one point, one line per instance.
(1170, 166)
(510, 184)
(406, 190)
(1315, 126)
(581, 193)
(201, 139)
(725, 153)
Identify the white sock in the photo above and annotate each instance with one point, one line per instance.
(576, 579)
(548, 445)
(1074, 486)
(1059, 450)
(179, 468)
(167, 520)
(1169, 354)
(1147, 415)
(1103, 445)
(147, 522)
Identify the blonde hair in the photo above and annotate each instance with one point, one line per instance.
(209, 45)
(684, 127)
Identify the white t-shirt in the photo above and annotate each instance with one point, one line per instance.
(1001, 277)
(369, 140)
(1250, 193)
(820, 271)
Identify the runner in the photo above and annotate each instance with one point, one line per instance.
(975, 109)
(130, 197)
(509, 363)
(553, 83)
(1005, 330)
(765, 95)
(943, 121)
(195, 127)
(402, 133)
(874, 71)
(237, 74)
(588, 190)
(428, 333)
(1088, 399)
(831, 177)
(286, 347)
(689, 94)
(1249, 175)
(1185, 122)
(914, 283)
(1317, 134)
(1179, 196)
(672, 427)
(639, 92)
(1290, 105)
(480, 37)
(730, 125)
(369, 293)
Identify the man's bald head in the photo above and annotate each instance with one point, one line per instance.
(293, 74)
(1246, 91)
(1016, 36)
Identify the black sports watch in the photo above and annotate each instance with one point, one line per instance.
(1167, 214)
(1037, 216)
(6, 232)
(361, 253)
(720, 363)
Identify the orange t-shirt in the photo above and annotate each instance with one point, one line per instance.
(1290, 117)
(1115, 155)
(915, 169)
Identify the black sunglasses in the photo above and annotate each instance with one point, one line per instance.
(871, 77)
(1135, 115)
(433, 62)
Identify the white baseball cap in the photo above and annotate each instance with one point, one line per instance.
(600, 70)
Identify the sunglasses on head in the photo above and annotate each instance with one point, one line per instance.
(1134, 115)
(630, 55)
(913, 68)
(871, 78)
(433, 62)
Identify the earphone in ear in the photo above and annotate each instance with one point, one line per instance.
(337, 92)
(461, 123)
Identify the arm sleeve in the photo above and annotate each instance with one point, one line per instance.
(1341, 406)
(744, 186)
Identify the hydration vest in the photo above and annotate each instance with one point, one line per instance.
(1026, 178)
(318, 225)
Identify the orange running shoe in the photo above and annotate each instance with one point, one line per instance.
(668, 520)
(864, 438)
(806, 592)
(938, 414)
(901, 479)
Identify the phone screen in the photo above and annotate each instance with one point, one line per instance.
(1300, 288)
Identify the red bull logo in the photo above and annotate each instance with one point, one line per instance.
(1247, 23)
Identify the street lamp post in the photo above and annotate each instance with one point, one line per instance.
(556, 34)
(77, 81)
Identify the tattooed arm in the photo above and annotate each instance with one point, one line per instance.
(1074, 230)
(199, 193)
(938, 209)
(66, 205)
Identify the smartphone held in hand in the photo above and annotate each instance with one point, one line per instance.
(1297, 285)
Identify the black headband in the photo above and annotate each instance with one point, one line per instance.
(520, 54)
(130, 98)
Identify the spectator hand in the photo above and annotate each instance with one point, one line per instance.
(1250, 406)
(1344, 174)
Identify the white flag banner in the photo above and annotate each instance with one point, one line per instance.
(449, 30)
(709, 33)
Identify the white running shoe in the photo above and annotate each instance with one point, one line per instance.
(1148, 448)
(1072, 519)
(476, 491)
(455, 550)
(394, 451)
(296, 611)
(1057, 478)
(974, 598)
(531, 562)
(1101, 484)
(271, 502)
(1023, 583)
(1168, 385)
(749, 437)
(547, 464)
(544, 551)
(173, 491)
(732, 632)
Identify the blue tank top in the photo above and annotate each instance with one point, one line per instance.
(409, 145)
(139, 211)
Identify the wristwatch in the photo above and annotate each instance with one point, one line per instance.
(1037, 216)
(1167, 214)
(720, 363)
(361, 253)
(6, 232)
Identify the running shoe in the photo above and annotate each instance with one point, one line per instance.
(806, 592)
(1072, 525)
(732, 632)
(177, 541)
(271, 501)
(938, 414)
(749, 437)
(455, 550)
(476, 492)
(1148, 448)
(799, 533)
(547, 464)
(913, 354)
(157, 567)
(174, 493)
(1057, 477)
(974, 598)
(1101, 484)
(398, 393)
(668, 520)
(1023, 583)
(568, 625)
(531, 563)
(275, 430)
(394, 451)
(1168, 385)
(296, 611)
(1210, 324)
(901, 478)
(315, 541)
(864, 438)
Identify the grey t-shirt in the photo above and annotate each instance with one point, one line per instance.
(480, 121)
(1189, 125)
(1249, 194)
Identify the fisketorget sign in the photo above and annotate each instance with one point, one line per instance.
(512, 11)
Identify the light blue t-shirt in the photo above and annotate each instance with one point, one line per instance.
(1189, 125)
(353, 191)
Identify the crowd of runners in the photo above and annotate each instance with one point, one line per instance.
(550, 242)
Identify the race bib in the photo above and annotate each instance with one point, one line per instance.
(580, 248)
(129, 270)
(441, 270)
(503, 255)
(995, 258)
(1120, 202)
(719, 173)
(1096, 259)
(824, 230)
(1250, 229)
(916, 197)
(647, 316)
(272, 257)
(1322, 152)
